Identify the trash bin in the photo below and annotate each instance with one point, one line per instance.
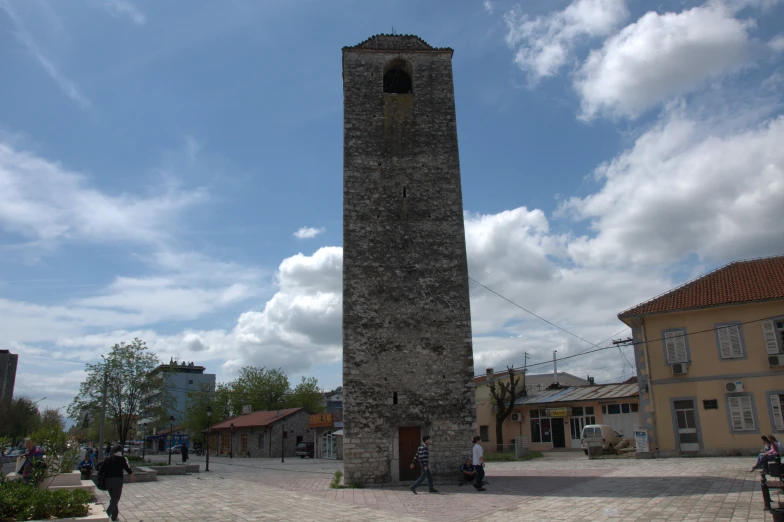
(778, 514)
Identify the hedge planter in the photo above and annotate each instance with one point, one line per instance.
(96, 514)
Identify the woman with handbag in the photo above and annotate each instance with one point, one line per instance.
(112, 469)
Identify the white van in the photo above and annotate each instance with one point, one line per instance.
(593, 433)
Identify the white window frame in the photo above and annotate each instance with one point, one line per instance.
(730, 342)
(741, 410)
(777, 411)
(674, 342)
(772, 335)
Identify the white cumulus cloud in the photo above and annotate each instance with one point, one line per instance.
(308, 232)
(660, 56)
(543, 44)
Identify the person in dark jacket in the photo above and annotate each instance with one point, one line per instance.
(113, 467)
(184, 452)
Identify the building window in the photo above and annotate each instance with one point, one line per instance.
(773, 333)
(776, 404)
(261, 440)
(540, 430)
(741, 413)
(730, 341)
(484, 433)
(190, 381)
(675, 346)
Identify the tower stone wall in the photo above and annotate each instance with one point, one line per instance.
(407, 351)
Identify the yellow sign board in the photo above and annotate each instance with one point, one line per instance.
(559, 412)
(322, 420)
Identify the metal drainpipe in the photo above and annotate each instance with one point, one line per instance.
(650, 384)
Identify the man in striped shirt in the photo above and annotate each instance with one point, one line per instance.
(422, 456)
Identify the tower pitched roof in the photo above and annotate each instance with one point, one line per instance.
(396, 42)
(734, 283)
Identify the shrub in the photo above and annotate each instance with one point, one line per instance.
(336, 480)
(28, 502)
(134, 458)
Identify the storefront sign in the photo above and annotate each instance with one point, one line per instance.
(322, 420)
(559, 412)
(641, 440)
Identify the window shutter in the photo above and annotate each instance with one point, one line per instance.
(748, 413)
(724, 342)
(778, 417)
(676, 347)
(735, 413)
(769, 333)
(737, 346)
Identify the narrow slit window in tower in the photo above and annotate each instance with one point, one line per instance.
(394, 397)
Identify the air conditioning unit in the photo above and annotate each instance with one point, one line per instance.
(680, 368)
(733, 386)
(776, 360)
(517, 417)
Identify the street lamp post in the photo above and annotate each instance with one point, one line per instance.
(144, 440)
(209, 417)
(171, 436)
(282, 441)
(231, 441)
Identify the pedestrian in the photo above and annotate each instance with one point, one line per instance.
(184, 452)
(33, 460)
(108, 450)
(423, 457)
(112, 467)
(769, 451)
(86, 465)
(775, 442)
(468, 472)
(479, 463)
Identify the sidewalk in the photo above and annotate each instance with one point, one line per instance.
(553, 488)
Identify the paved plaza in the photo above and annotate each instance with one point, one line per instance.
(558, 487)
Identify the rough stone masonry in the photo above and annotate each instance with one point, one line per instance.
(407, 352)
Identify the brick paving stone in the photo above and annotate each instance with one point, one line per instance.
(565, 488)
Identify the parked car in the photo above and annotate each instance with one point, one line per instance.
(176, 449)
(593, 433)
(304, 449)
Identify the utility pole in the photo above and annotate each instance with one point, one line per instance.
(103, 406)
(282, 441)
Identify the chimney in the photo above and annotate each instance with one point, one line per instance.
(555, 368)
(278, 415)
(489, 372)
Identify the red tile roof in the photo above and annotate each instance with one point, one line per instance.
(255, 419)
(734, 283)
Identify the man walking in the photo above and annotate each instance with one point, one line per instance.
(184, 452)
(423, 457)
(479, 463)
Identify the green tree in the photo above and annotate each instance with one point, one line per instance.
(20, 417)
(307, 395)
(61, 452)
(263, 390)
(195, 420)
(133, 388)
(51, 417)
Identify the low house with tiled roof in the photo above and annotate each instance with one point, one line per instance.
(710, 360)
(534, 384)
(261, 433)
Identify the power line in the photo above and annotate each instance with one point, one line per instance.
(530, 312)
(598, 348)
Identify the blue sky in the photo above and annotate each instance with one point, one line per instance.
(157, 160)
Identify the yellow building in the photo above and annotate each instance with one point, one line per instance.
(710, 361)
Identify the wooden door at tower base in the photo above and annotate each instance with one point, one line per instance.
(408, 442)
